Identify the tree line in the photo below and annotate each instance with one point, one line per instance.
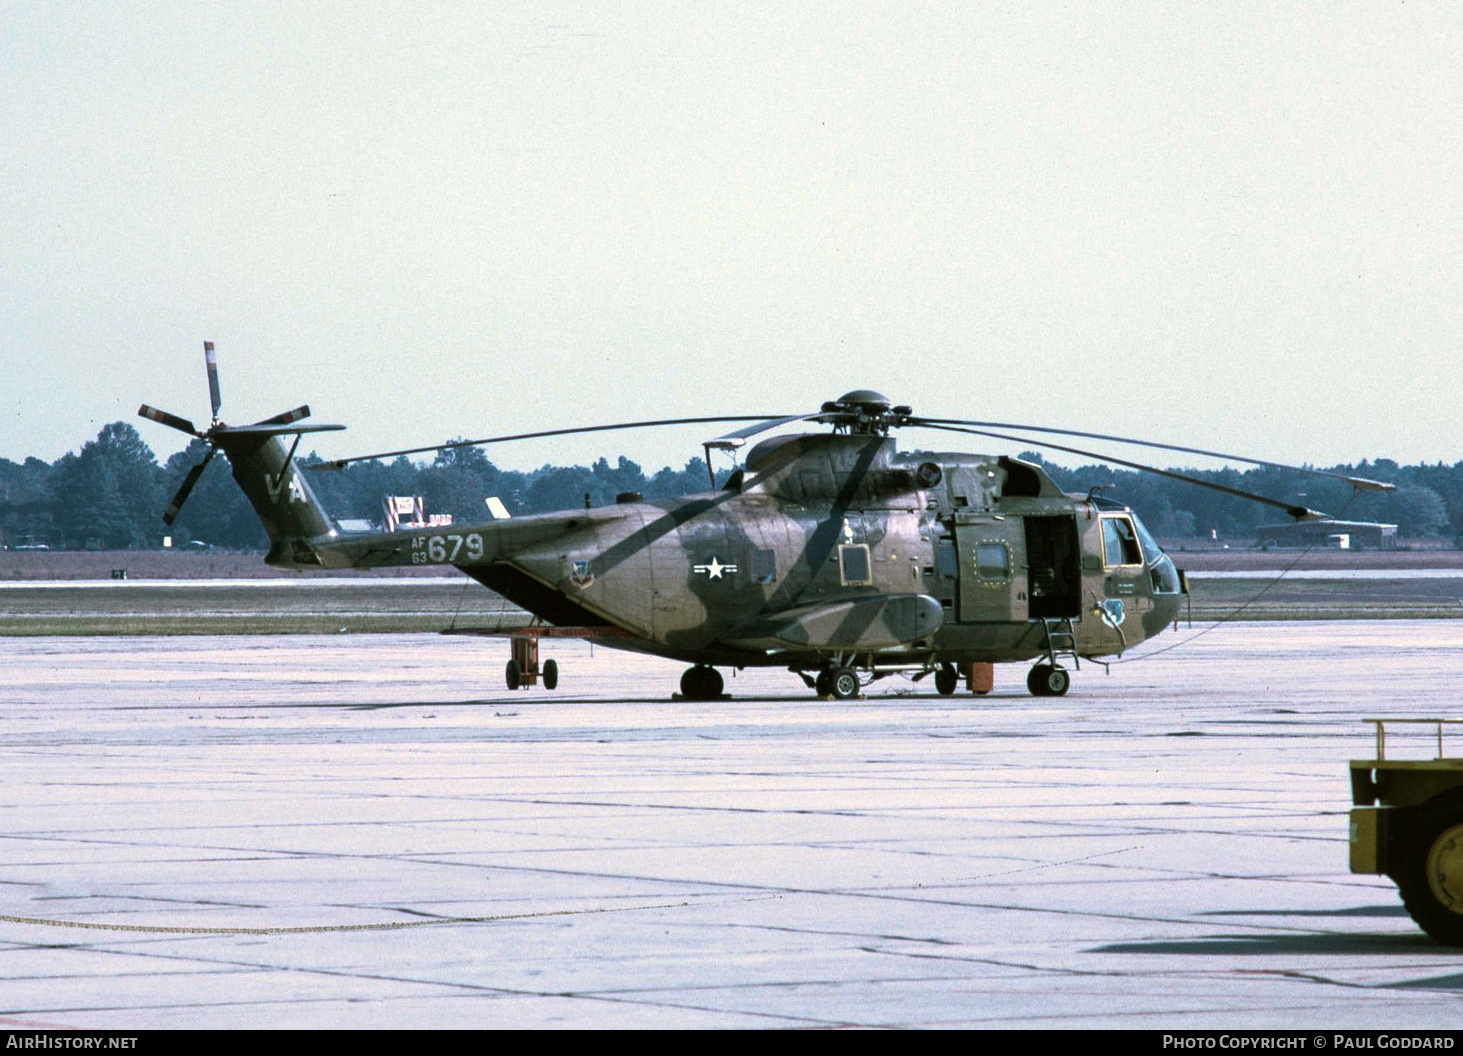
(111, 494)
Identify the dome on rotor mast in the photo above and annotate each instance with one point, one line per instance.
(867, 400)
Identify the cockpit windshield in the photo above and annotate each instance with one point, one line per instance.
(1161, 570)
(1151, 549)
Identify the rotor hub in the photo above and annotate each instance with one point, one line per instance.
(864, 411)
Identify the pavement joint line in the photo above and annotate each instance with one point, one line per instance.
(307, 929)
(1044, 865)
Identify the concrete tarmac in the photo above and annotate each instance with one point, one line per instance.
(369, 831)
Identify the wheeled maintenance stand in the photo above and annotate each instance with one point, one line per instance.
(523, 669)
(1407, 823)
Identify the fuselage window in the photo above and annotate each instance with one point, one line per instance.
(854, 566)
(946, 561)
(992, 561)
(764, 566)
(1120, 542)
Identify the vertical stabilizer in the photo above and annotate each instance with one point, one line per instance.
(280, 495)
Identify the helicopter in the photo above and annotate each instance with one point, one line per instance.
(832, 554)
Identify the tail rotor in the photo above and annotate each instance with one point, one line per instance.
(220, 437)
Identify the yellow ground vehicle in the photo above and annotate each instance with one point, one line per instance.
(1407, 823)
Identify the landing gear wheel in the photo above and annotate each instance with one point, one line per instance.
(1430, 878)
(550, 674)
(946, 679)
(513, 675)
(843, 684)
(1058, 682)
(702, 683)
(1048, 681)
(823, 684)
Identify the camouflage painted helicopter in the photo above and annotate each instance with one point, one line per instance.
(831, 554)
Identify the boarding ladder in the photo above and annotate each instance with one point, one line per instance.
(1061, 640)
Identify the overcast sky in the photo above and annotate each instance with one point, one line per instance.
(1232, 225)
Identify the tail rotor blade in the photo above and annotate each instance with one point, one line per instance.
(288, 417)
(211, 362)
(183, 425)
(176, 506)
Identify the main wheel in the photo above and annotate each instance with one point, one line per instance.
(1048, 681)
(550, 674)
(702, 683)
(513, 674)
(946, 679)
(1057, 682)
(1430, 877)
(843, 684)
(823, 684)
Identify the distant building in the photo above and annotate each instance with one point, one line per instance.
(408, 511)
(1345, 535)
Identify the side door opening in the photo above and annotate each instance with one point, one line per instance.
(1053, 567)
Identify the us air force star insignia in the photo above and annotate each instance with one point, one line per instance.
(713, 568)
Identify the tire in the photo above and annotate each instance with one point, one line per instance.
(823, 684)
(513, 675)
(1430, 875)
(550, 674)
(702, 683)
(946, 679)
(1048, 681)
(843, 684)
(1036, 680)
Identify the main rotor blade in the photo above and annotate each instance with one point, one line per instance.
(189, 481)
(172, 421)
(735, 439)
(1361, 483)
(1300, 513)
(341, 463)
(210, 362)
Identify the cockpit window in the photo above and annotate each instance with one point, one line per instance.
(1120, 542)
